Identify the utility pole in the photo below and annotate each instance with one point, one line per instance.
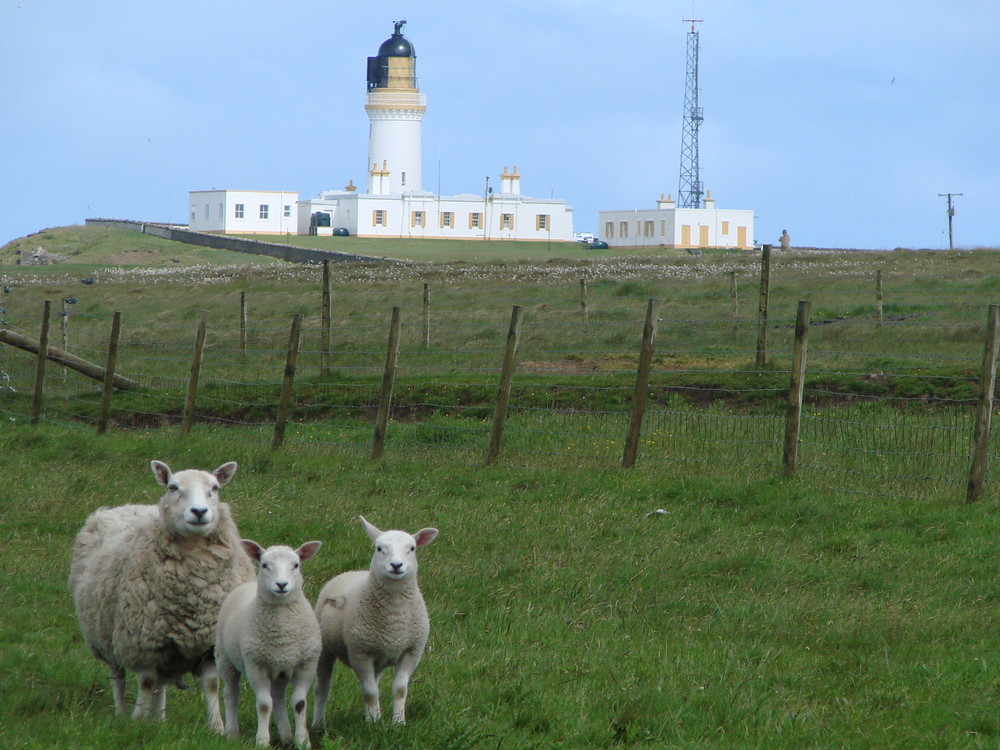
(951, 214)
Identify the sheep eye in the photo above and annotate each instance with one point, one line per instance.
(265, 566)
(378, 549)
(172, 487)
(413, 548)
(295, 566)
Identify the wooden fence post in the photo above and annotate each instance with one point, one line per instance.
(385, 399)
(735, 299)
(427, 316)
(984, 412)
(199, 349)
(43, 351)
(878, 295)
(109, 374)
(506, 378)
(793, 419)
(324, 355)
(765, 282)
(584, 314)
(243, 324)
(285, 399)
(641, 385)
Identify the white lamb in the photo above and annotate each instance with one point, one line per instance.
(268, 632)
(375, 619)
(148, 580)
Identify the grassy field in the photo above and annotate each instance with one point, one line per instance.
(696, 601)
(563, 613)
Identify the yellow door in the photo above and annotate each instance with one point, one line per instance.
(741, 236)
(685, 235)
(702, 236)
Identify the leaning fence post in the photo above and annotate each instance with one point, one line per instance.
(506, 378)
(641, 385)
(583, 306)
(324, 356)
(793, 419)
(109, 374)
(199, 348)
(43, 351)
(285, 399)
(385, 399)
(984, 412)
(765, 281)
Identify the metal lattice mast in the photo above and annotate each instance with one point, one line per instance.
(689, 190)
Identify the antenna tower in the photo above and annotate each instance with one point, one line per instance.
(689, 190)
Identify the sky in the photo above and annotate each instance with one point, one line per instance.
(839, 122)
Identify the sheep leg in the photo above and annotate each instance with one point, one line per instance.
(231, 697)
(261, 684)
(147, 702)
(160, 703)
(368, 677)
(210, 686)
(118, 689)
(300, 691)
(324, 673)
(279, 688)
(400, 683)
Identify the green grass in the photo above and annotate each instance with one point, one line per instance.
(749, 614)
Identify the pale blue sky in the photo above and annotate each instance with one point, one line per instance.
(840, 122)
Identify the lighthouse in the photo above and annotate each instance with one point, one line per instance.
(395, 110)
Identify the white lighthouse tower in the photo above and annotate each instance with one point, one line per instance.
(395, 109)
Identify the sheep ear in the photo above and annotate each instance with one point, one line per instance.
(307, 550)
(252, 548)
(425, 536)
(161, 471)
(373, 533)
(225, 472)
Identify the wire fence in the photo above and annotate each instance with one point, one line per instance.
(890, 405)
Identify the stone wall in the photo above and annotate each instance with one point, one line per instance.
(291, 253)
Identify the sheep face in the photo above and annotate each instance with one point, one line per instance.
(280, 572)
(190, 505)
(395, 556)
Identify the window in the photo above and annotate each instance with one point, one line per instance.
(725, 227)
(417, 219)
(623, 229)
(648, 227)
(609, 229)
(239, 211)
(542, 222)
(447, 219)
(506, 221)
(207, 215)
(404, 178)
(288, 211)
(475, 221)
(378, 218)
(194, 216)
(663, 227)
(264, 210)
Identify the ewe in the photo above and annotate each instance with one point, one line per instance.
(148, 580)
(375, 619)
(268, 632)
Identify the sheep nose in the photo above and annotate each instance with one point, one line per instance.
(199, 513)
(397, 567)
(282, 585)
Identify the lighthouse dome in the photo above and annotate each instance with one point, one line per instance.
(397, 45)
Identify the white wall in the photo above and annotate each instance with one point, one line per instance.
(217, 211)
(721, 227)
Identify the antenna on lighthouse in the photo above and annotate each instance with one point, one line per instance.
(690, 190)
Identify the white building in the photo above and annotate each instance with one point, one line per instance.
(672, 227)
(394, 203)
(242, 211)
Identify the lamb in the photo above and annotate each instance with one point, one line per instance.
(374, 619)
(147, 582)
(268, 632)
